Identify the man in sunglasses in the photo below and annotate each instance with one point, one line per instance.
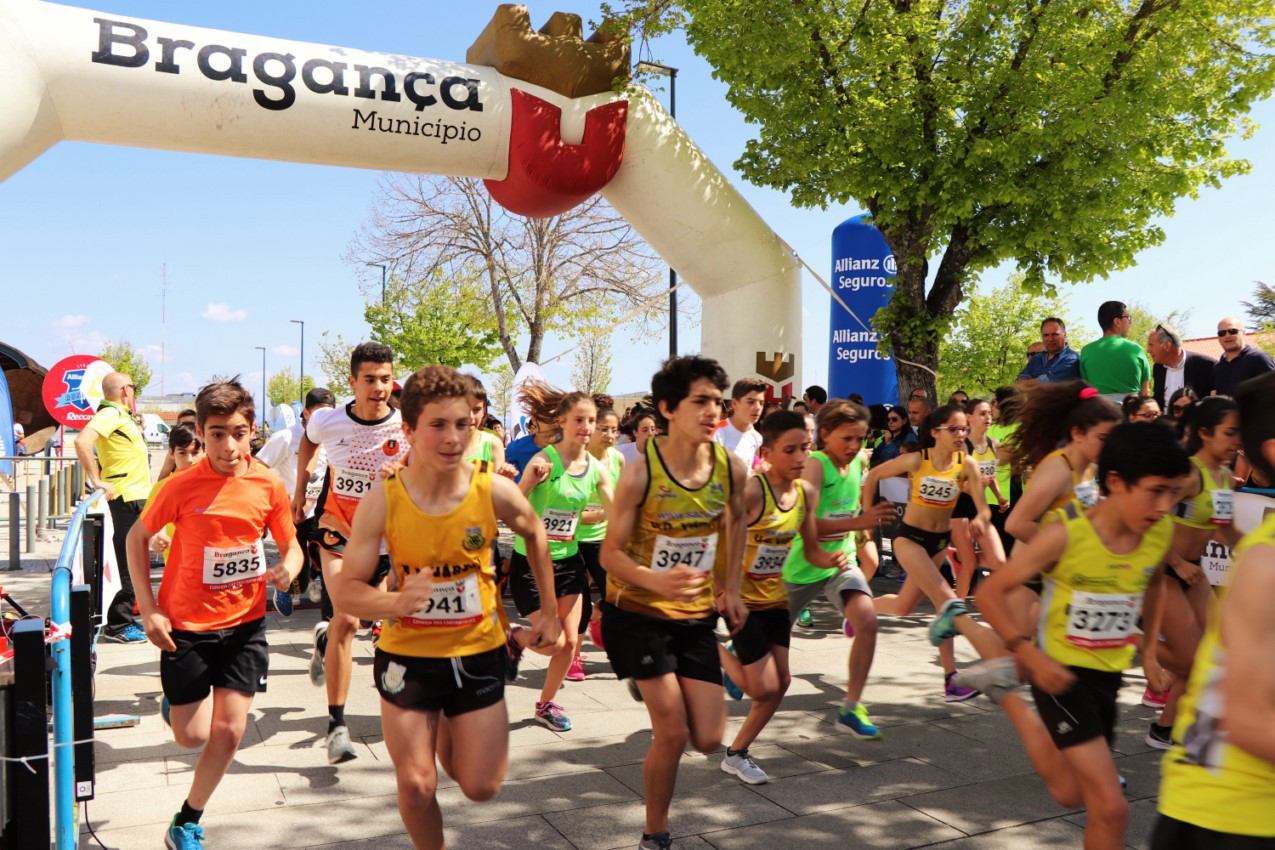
(121, 468)
(1175, 367)
(1240, 361)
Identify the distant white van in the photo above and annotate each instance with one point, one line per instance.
(154, 429)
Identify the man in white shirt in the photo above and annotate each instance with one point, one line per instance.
(738, 434)
(1175, 367)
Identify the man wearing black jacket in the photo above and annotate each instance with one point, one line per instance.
(1175, 367)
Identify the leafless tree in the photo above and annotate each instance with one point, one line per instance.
(568, 274)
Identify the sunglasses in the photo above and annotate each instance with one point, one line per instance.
(1228, 331)
(1181, 408)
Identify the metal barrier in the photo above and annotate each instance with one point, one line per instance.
(65, 651)
(72, 660)
(44, 490)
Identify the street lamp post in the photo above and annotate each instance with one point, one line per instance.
(301, 380)
(382, 268)
(265, 404)
(671, 73)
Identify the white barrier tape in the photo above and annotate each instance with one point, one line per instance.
(58, 632)
(25, 761)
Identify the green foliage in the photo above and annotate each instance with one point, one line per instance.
(979, 131)
(334, 362)
(124, 359)
(1261, 310)
(435, 320)
(283, 387)
(987, 345)
(591, 366)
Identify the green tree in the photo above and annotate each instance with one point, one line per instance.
(500, 390)
(283, 387)
(591, 365)
(1261, 310)
(987, 345)
(124, 359)
(586, 267)
(334, 362)
(1049, 134)
(435, 322)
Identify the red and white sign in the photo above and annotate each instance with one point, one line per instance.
(73, 389)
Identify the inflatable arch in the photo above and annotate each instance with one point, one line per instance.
(532, 114)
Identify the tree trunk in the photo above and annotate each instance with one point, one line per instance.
(909, 309)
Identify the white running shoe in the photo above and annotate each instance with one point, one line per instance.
(742, 765)
(340, 747)
(317, 673)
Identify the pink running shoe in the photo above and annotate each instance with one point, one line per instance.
(1151, 699)
(575, 673)
(595, 633)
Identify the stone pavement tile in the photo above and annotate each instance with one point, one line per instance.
(564, 792)
(1142, 772)
(245, 793)
(1057, 833)
(527, 732)
(150, 740)
(838, 750)
(620, 825)
(833, 789)
(1142, 816)
(882, 826)
(698, 773)
(1132, 725)
(130, 776)
(577, 754)
(515, 834)
(986, 806)
(355, 819)
(598, 724)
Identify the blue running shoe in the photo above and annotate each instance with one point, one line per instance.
(736, 693)
(944, 625)
(283, 602)
(855, 722)
(804, 619)
(132, 633)
(188, 836)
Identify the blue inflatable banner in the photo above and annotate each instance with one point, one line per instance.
(863, 274)
(7, 443)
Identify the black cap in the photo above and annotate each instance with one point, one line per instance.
(319, 396)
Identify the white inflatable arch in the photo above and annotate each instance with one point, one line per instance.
(75, 74)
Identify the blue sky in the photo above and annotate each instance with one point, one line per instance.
(86, 229)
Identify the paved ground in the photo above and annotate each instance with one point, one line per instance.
(944, 775)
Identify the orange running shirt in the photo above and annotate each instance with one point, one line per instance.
(356, 450)
(216, 572)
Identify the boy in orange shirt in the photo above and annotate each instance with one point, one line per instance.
(209, 621)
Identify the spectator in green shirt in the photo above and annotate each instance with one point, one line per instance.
(1115, 366)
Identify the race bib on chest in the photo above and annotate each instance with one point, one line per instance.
(768, 562)
(560, 526)
(234, 566)
(937, 491)
(351, 484)
(670, 552)
(1086, 493)
(451, 603)
(1102, 620)
(1222, 507)
(987, 468)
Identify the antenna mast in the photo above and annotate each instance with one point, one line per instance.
(163, 325)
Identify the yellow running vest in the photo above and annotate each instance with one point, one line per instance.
(1210, 507)
(1205, 780)
(675, 526)
(1093, 597)
(461, 616)
(769, 540)
(934, 489)
(1084, 487)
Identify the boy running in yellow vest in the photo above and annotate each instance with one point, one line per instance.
(1096, 566)
(678, 512)
(440, 660)
(780, 507)
(1217, 783)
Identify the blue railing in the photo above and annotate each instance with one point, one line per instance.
(64, 803)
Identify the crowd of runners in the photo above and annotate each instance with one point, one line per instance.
(1058, 534)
